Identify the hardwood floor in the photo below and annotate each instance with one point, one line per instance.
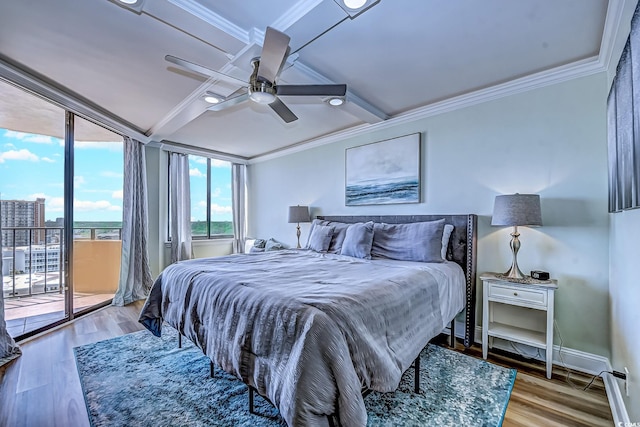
(41, 388)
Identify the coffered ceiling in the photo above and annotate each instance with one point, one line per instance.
(397, 57)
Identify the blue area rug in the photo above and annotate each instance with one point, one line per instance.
(141, 380)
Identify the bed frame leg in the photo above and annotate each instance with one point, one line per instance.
(251, 399)
(452, 328)
(179, 340)
(416, 376)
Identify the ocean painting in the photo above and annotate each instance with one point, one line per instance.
(384, 172)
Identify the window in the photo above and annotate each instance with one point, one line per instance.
(211, 198)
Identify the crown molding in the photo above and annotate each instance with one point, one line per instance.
(615, 10)
(542, 79)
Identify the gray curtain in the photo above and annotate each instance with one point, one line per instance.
(9, 350)
(623, 125)
(180, 207)
(239, 186)
(135, 274)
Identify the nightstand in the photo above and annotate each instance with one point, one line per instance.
(527, 294)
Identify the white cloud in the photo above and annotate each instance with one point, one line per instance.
(18, 155)
(196, 172)
(215, 163)
(117, 194)
(86, 205)
(30, 137)
(216, 192)
(48, 160)
(217, 209)
(102, 145)
(202, 203)
(78, 181)
(201, 160)
(9, 146)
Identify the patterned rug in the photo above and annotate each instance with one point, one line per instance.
(141, 380)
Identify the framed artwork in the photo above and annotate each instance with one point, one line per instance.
(384, 172)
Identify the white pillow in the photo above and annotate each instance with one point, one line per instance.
(446, 234)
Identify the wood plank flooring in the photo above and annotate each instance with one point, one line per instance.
(42, 388)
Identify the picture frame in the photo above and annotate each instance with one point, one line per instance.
(384, 172)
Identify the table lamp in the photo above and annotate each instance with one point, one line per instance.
(298, 214)
(516, 210)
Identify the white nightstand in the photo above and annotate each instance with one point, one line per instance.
(528, 294)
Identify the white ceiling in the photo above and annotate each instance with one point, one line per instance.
(398, 56)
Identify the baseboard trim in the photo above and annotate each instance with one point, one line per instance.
(572, 359)
(616, 402)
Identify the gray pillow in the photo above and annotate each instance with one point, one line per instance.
(273, 245)
(339, 231)
(320, 238)
(357, 240)
(416, 241)
(315, 222)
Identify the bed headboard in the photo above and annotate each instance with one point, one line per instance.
(462, 250)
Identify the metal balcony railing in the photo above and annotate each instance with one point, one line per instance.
(33, 257)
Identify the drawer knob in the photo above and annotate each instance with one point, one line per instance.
(515, 294)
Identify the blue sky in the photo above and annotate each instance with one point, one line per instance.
(220, 189)
(32, 166)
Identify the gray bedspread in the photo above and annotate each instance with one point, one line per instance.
(307, 330)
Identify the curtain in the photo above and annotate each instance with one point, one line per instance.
(623, 125)
(135, 274)
(9, 350)
(180, 207)
(239, 194)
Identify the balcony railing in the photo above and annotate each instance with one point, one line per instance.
(37, 266)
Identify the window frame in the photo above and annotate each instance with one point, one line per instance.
(208, 236)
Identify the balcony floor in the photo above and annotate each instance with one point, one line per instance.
(25, 314)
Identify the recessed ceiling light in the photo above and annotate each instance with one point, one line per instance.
(336, 101)
(212, 98)
(354, 4)
(129, 1)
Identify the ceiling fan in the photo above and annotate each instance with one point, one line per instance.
(262, 87)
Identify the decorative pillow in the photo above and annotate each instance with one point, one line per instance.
(339, 231)
(446, 235)
(273, 245)
(320, 238)
(259, 243)
(416, 241)
(315, 222)
(357, 240)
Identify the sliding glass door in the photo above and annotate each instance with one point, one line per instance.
(61, 212)
(97, 214)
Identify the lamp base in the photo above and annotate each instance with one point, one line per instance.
(514, 272)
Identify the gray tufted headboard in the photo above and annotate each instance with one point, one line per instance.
(462, 250)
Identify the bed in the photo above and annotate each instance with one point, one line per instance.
(310, 330)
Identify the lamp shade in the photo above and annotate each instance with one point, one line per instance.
(517, 209)
(299, 214)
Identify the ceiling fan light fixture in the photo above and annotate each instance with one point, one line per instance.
(354, 4)
(262, 97)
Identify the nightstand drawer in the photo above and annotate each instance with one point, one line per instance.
(533, 296)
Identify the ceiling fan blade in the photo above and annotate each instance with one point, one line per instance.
(203, 70)
(283, 111)
(274, 53)
(229, 102)
(311, 90)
